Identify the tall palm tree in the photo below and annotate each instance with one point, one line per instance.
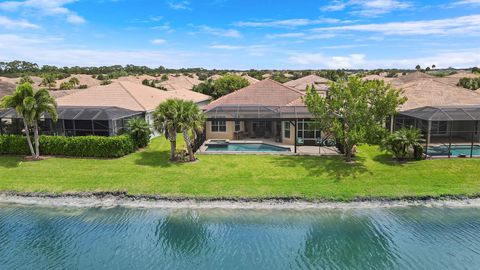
(31, 106)
(165, 119)
(176, 115)
(192, 119)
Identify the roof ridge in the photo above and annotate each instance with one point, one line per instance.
(288, 87)
(131, 95)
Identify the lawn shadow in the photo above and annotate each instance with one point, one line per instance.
(334, 167)
(154, 159)
(10, 162)
(387, 159)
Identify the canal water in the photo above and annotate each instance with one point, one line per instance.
(34, 237)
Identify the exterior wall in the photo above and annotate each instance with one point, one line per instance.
(227, 135)
(290, 140)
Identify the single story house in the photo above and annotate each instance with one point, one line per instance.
(447, 115)
(101, 110)
(266, 110)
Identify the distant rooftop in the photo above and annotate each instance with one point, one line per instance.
(301, 84)
(127, 95)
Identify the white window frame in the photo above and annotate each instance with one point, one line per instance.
(218, 124)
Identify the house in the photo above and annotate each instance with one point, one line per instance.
(320, 84)
(447, 115)
(103, 110)
(266, 110)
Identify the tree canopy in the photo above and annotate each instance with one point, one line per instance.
(354, 111)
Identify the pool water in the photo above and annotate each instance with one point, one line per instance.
(455, 150)
(125, 238)
(246, 147)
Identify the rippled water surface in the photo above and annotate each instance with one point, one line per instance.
(121, 238)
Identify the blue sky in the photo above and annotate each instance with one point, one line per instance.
(242, 34)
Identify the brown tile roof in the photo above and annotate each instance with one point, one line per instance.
(61, 93)
(180, 82)
(250, 79)
(6, 88)
(377, 77)
(302, 83)
(127, 95)
(266, 92)
(432, 92)
(410, 77)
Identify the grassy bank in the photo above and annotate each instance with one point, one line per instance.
(149, 172)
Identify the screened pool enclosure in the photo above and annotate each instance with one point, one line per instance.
(74, 121)
(448, 131)
(284, 124)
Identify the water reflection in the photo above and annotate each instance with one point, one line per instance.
(183, 232)
(353, 241)
(121, 238)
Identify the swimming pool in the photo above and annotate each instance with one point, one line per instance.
(455, 150)
(245, 147)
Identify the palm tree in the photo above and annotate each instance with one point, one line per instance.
(192, 119)
(74, 81)
(165, 119)
(403, 141)
(31, 106)
(48, 81)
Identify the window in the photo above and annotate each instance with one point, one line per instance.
(286, 129)
(237, 126)
(307, 130)
(219, 126)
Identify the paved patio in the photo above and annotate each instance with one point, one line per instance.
(301, 150)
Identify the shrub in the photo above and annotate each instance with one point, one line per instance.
(403, 143)
(418, 152)
(66, 86)
(140, 131)
(106, 82)
(87, 146)
(82, 86)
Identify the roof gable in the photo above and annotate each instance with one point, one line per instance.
(127, 95)
(266, 92)
(431, 92)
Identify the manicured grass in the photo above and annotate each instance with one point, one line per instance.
(149, 172)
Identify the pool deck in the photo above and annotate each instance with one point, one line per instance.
(301, 150)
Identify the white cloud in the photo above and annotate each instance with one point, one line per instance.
(367, 7)
(466, 2)
(445, 59)
(288, 23)
(44, 8)
(159, 41)
(183, 5)
(226, 47)
(15, 24)
(319, 60)
(300, 35)
(232, 33)
(459, 25)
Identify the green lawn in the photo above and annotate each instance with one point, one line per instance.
(149, 172)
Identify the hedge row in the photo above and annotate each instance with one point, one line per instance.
(85, 146)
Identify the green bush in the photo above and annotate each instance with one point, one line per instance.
(140, 131)
(87, 146)
(13, 145)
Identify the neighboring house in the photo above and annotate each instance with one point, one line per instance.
(264, 110)
(320, 84)
(447, 115)
(104, 110)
